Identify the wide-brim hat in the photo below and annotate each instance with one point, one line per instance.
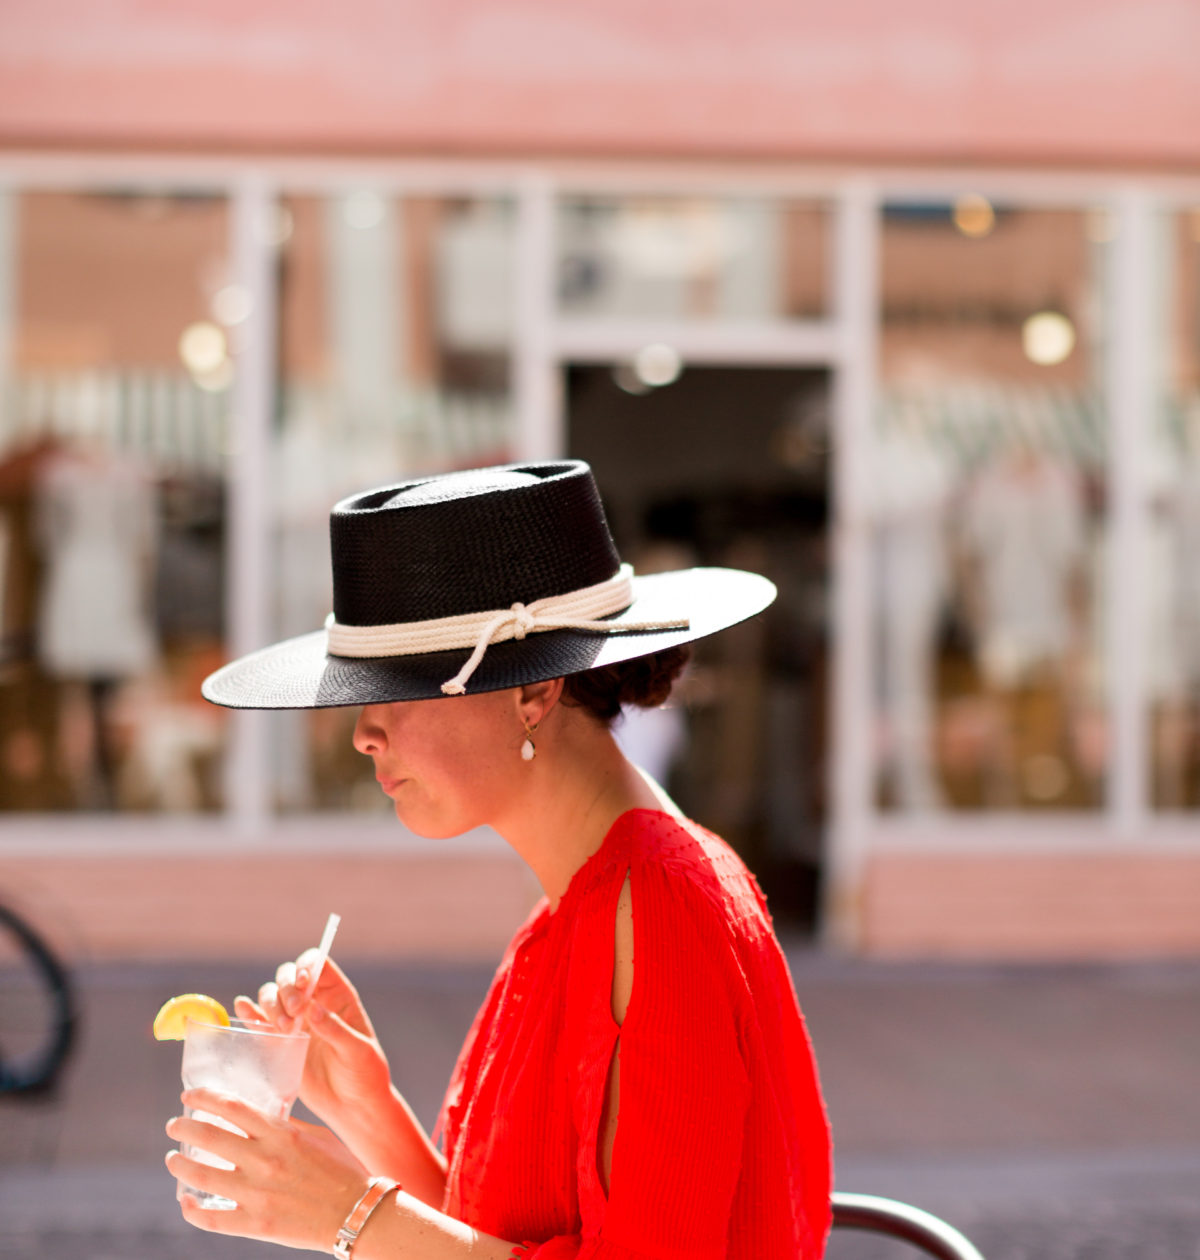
(477, 581)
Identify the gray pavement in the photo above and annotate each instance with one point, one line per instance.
(1047, 1111)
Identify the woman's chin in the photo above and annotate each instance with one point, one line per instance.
(425, 827)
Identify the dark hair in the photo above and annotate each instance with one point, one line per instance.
(644, 681)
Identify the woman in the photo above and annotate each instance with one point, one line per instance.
(638, 1081)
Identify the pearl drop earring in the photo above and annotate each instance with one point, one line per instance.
(528, 751)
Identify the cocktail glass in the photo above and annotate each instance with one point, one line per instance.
(252, 1062)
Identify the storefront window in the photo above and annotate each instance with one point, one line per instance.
(396, 318)
(1172, 524)
(988, 498)
(115, 368)
(692, 258)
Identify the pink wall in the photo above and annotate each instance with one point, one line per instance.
(192, 905)
(1034, 906)
(1081, 81)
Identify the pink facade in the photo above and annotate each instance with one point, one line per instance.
(1073, 81)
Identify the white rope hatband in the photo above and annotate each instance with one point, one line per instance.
(577, 610)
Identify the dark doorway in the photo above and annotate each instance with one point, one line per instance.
(730, 466)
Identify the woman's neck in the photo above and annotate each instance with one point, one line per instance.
(579, 784)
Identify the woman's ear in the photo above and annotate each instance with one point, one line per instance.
(535, 700)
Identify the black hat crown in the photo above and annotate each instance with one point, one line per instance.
(468, 542)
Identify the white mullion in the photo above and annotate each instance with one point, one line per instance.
(857, 312)
(1130, 398)
(248, 778)
(539, 422)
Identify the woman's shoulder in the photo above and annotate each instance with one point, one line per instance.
(684, 869)
(654, 835)
(676, 843)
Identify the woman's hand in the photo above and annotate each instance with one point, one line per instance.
(346, 1078)
(294, 1183)
(346, 1073)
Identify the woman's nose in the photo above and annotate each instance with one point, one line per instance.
(368, 731)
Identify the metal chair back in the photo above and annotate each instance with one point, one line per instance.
(900, 1220)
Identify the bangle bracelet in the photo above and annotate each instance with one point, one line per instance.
(378, 1188)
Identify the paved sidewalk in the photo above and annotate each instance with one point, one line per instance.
(1050, 1112)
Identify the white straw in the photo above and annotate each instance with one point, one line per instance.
(331, 927)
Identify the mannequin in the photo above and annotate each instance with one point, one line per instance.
(96, 526)
(1023, 529)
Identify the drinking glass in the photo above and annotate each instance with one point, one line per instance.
(250, 1061)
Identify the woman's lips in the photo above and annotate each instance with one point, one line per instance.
(388, 785)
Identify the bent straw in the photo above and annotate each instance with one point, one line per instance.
(331, 927)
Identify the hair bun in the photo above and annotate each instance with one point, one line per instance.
(644, 682)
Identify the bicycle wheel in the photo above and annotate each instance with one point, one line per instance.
(37, 1009)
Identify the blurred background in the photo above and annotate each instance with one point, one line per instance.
(900, 307)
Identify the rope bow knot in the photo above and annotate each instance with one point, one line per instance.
(524, 621)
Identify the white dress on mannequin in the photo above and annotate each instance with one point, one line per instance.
(97, 526)
(1024, 522)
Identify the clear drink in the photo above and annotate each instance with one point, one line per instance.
(252, 1062)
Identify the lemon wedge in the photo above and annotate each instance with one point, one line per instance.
(171, 1020)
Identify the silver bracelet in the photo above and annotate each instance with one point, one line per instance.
(378, 1188)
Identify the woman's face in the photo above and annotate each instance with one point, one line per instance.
(448, 765)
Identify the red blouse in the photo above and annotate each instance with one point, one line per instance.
(722, 1146)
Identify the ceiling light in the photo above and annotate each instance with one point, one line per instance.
(1047, 338)
(974, 216)
(203, 348)
(657, 364)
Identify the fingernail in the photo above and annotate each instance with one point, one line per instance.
(302, 977)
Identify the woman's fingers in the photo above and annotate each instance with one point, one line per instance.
(272, 1008)
(287, 999)
(331, 980)
(206, 1137)
(268, 999)
(332, 1029)
(250, 1120)
(296, 988)
(198, 1176)
(250, 1011)
(292, 997)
